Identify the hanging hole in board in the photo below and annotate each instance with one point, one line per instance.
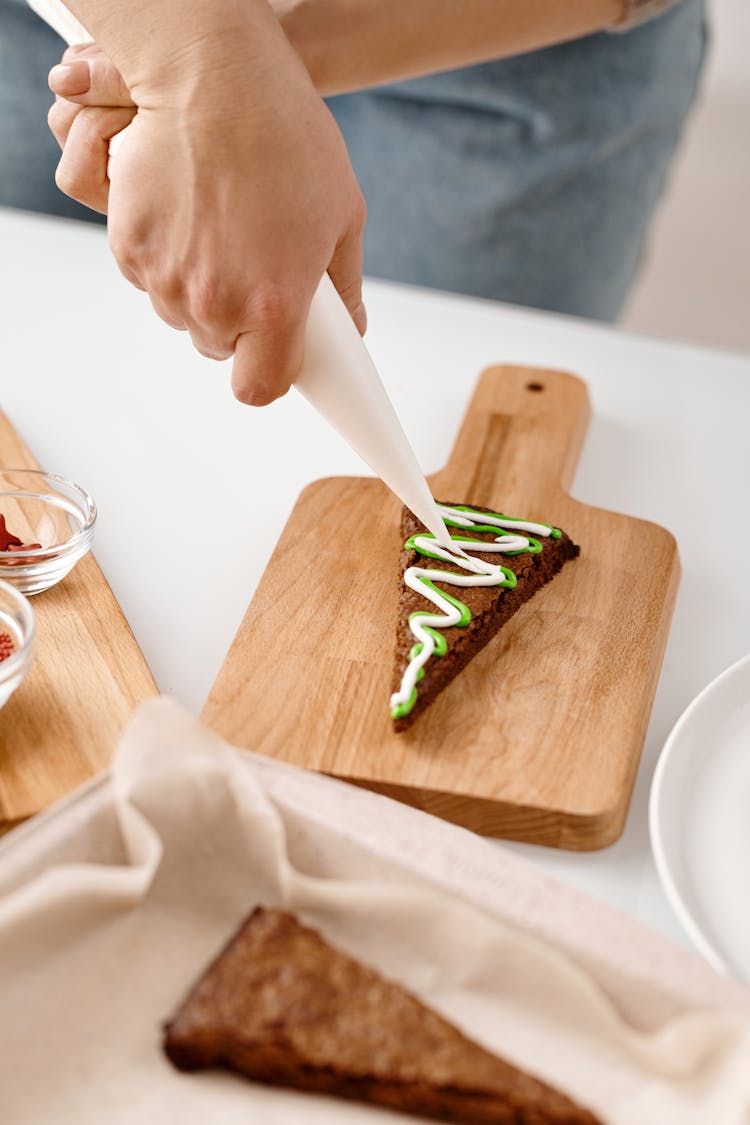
(536, 387)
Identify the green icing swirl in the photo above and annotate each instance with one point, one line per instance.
(509, 581)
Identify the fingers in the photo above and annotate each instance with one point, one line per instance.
(90, 80)
(61, 116)
(165, 312)
(210, 348)
(199, 283)
(268, 356)
(82, 171)
(188, 308)
(92, 104)
(345, 271)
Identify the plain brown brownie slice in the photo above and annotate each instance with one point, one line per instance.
(282, 1006)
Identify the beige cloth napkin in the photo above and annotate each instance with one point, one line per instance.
(111, 906)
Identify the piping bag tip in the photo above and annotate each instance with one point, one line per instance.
(339, 378)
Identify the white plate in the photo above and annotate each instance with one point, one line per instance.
(700, 820)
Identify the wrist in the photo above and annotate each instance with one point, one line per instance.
(313, 36)
(161, 52)
(207, 65)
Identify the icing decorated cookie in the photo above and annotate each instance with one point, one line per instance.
(452, 602)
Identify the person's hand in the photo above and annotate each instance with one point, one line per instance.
(84, 127)
(230, 196)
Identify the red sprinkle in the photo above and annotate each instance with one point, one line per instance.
(10, 542)
(7, 648)
(6, 538)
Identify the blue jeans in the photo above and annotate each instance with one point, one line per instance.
(530, 180)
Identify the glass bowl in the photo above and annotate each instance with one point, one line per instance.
(16, 623)
(53, 517)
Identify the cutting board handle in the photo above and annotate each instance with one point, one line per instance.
(521, 438)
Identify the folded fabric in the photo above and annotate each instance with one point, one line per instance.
(112, 905)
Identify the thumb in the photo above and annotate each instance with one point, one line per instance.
(90, 81)
(268, 356)
(345, 271)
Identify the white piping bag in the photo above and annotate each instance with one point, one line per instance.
(338, 376)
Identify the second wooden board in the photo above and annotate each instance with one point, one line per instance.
(88, 673)
(539, 738)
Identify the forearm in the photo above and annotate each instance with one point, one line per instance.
(351, 44)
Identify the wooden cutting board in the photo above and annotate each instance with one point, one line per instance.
(64, 721)
(539, 738)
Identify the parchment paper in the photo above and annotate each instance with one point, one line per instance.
(112, 905)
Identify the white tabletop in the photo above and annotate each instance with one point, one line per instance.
(106, 394)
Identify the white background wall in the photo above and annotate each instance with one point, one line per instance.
(695, 283)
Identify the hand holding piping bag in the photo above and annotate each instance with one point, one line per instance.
(199, 215)
(93, 106)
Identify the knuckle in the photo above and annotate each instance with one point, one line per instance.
(63, 178)
(131, 252)
(60, 115)
(272, 307)
(164, 281)
(218, 350)
(209, 300)
(117, 245)
(122, 250)
(90, 122)
(69, 181)
(217, 354)
(105, 78)
(170, 287)
(131, 276)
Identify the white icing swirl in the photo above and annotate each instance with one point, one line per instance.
(480, 573)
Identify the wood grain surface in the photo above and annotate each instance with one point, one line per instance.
(539, 738)
(63, 723)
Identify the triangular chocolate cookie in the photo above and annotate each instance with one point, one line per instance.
(441, 625)
(282, 1006)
